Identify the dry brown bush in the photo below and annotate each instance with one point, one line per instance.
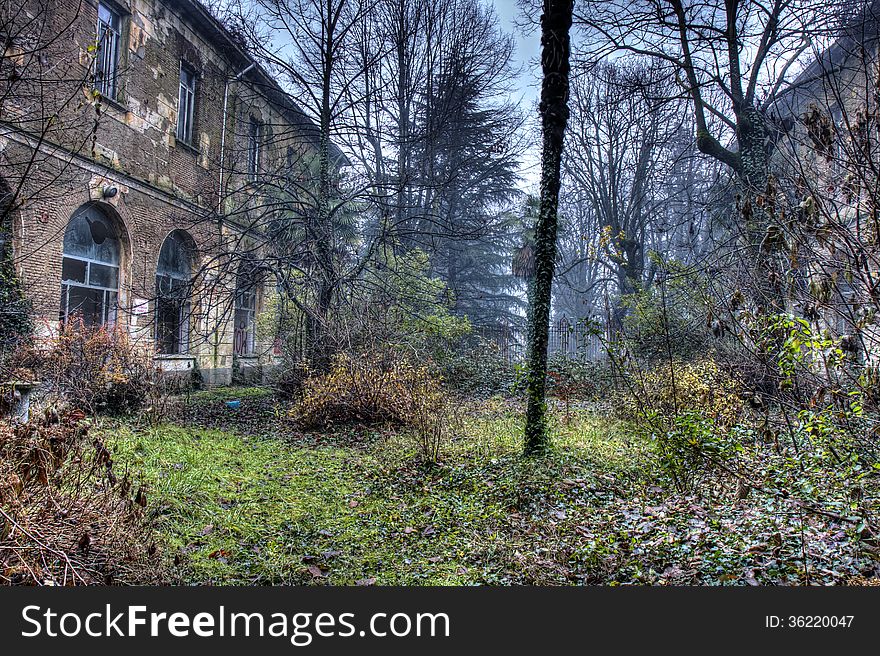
(380, 388)
(65, 517)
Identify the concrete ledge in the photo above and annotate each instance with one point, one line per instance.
(175, 363)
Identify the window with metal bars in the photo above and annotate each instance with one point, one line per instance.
(107, 55)
(186, 104)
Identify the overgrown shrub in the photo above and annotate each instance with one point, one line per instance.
(668, 318)
(15, 322)
(573, 379)
(477, 367)
(668, 390)
(92, 369)
(289, 378)
(691, 411)
(65, 517)
(376, 389)
(692, 446)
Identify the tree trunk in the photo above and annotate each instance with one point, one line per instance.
(754, 169)
(320, 348)
(555, 43)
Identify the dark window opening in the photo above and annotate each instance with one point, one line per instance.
(255, 139)
(245, 315)
(173, 282)
(186, 104)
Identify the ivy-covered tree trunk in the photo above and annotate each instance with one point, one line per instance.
(556, 22)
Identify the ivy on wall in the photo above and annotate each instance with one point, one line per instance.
(15, 318)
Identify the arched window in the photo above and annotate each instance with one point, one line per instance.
(90, 268)
(245, 316)
(173, 278)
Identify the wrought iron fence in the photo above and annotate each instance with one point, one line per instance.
(581, 339)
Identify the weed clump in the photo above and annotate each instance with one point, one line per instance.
(65, 516)
(373, 389)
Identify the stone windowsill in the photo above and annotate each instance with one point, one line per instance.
(187, 147)
(114, 104)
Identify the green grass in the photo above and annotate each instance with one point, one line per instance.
(245, 509)
(260, 503)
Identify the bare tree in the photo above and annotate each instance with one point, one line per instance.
(730, 59)
(309, 45)
(42, 107)
(618, 161)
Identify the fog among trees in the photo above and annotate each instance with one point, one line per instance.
(604, 315)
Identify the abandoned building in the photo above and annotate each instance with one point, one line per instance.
(132, 134)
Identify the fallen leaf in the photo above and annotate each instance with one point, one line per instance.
(316, 571)
(353, 503)
(409, 529)
(208, 529)
(368, 581)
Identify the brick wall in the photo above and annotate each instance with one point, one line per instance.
(129, 143)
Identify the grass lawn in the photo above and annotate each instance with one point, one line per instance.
(260, 503)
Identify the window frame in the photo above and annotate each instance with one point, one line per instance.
(255, 138)
(245, 305)
(107, 60)
(174, 295)
(109, 304)
(186, 110)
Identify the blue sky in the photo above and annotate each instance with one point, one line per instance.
(528, 48)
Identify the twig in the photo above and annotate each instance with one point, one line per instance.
(43, 546)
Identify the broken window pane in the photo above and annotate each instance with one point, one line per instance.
(90, 268)
(73, 270)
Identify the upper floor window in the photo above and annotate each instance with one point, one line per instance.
(186, 105)
(255, 138)
(107, 56)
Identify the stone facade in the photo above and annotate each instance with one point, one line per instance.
(65, 149)
(830, 113)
